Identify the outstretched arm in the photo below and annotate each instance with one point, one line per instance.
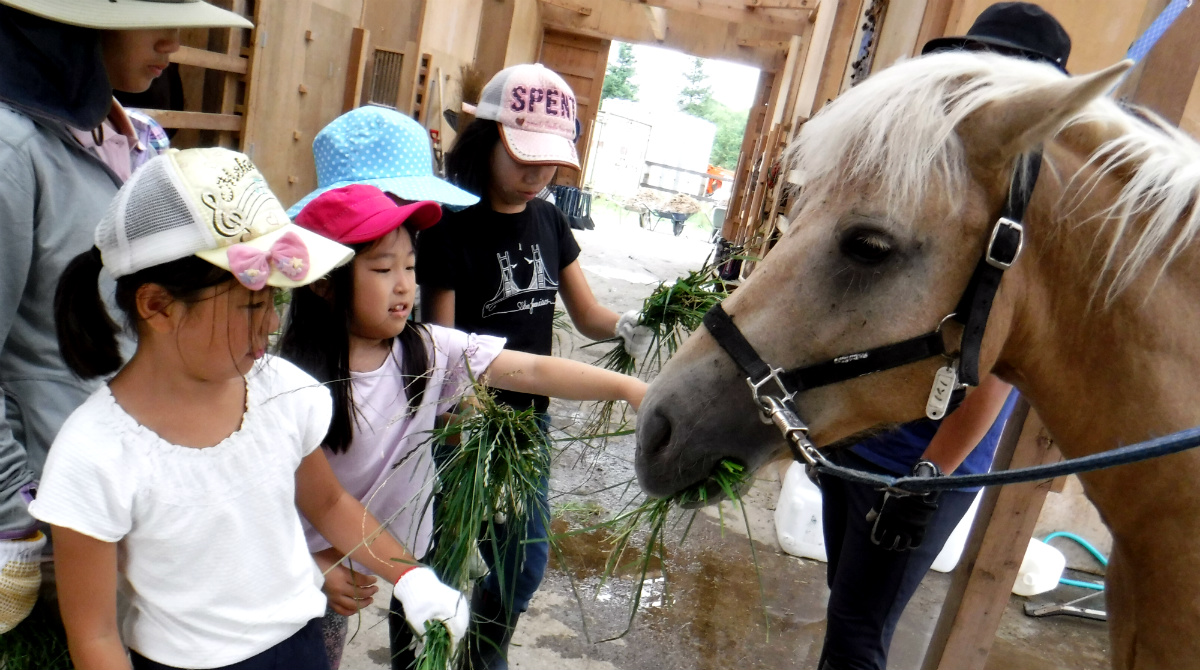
(589, 316)
(343, 520)
(86, 570)
(561, 378)
(965, 427)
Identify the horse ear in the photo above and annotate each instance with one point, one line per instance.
(999, 131)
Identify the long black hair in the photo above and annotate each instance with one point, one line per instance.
(469, 161)
(87, 335)
(317, 339)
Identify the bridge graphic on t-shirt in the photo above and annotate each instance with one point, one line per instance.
(540, 281)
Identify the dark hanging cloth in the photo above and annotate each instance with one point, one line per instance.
(51, 69)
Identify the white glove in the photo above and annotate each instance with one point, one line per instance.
(20, 578)
(425, 598)
(637, 338)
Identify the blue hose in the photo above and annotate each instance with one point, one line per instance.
(1092, 550)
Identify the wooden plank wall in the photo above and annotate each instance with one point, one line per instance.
(297, 84)
(580, 60)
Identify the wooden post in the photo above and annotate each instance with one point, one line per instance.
(980, 589)
(359, 40)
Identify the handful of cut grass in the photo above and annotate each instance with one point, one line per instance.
(438, 651)
(494, 474)
(671, 312)
(652, 516)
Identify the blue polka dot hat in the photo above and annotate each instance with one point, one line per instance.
(383, 148)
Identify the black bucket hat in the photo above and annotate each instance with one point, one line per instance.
(1016, 28)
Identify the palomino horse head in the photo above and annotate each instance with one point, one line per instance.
(901, 180)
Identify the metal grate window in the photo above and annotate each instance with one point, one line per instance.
(385, 82)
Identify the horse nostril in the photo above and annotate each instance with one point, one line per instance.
(653, 433)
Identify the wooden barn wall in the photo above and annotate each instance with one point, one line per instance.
(581, 61)
(297, 82)
(394, 25)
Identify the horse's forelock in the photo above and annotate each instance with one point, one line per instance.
(896, 131)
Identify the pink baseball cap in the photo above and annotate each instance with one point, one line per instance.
(536, 112)
(361, 213)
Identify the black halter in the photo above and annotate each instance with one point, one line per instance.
(1004, 245)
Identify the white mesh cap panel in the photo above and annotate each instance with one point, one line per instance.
(149, 222)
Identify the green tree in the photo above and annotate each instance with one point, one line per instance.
(618, 78)
(696, 96)
(731, 128)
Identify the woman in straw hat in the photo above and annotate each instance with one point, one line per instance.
(65, 148)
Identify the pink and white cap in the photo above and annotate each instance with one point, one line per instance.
(536, 110)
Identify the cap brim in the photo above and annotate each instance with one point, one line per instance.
(965, 42)
(131, 14)
(527, 146)
(323, 255)
(408, 188)
(419, 215)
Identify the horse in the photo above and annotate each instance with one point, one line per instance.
(900, 182)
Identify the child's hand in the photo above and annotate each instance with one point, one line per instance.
(347, 590)
(425, 598)
(637, 338)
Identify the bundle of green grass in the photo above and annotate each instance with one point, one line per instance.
(492, 476)
(672, 312)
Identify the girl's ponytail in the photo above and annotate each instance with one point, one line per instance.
(87, 335)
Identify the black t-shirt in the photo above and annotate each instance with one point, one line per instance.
(504, 271)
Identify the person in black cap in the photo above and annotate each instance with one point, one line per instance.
(880, 546)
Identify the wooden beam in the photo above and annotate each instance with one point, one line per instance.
(790, 21)
(693, 34)
(582, 10)
(933, 23)
(196, 120)
(210, 59)
(757, 44)
(780, 4)
(658, 22)
(982, 583)
(838, 52)
(357, 67)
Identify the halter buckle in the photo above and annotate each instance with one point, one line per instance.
(1004, 260)
(760, 399)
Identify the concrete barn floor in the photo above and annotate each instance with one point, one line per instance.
(707, 612)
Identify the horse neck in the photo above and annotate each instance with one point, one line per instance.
(1100, 372)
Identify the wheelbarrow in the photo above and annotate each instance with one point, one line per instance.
(677, 219)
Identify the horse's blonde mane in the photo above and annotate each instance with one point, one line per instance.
(897, 131)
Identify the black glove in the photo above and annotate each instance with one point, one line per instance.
(899, 521)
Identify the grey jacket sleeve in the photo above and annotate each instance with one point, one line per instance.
(17, 211)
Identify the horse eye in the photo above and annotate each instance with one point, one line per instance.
(868, 247)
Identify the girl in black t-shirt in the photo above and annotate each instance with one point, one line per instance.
(496, 268)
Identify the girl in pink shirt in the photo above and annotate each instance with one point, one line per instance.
(391, 379)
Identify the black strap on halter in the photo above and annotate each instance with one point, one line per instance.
(1004, 244)
(834, 370)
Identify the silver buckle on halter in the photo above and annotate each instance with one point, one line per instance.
(990, 255)
(760, 400)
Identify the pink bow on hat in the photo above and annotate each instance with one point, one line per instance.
(252, 267)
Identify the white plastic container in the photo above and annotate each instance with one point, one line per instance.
(1040, 570)
(798, 516)
(947, 559)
